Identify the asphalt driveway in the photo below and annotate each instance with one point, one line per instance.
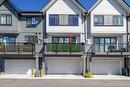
(63, 83)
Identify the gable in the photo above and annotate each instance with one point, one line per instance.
(7, 7)
(108, 7)
(64, 7)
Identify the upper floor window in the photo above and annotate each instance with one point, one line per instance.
(31, 39)
(108, 20)
(63, 40)
(6, 19)
(63, 20)
(53, 20)
(31, 22)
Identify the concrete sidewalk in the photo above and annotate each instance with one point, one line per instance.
(95, 77)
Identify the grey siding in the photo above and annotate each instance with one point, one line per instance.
(6, 8)
(19, 24)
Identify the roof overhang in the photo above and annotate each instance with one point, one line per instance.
(31, 13)
(124, 5)
(13, 6)
(95, 5)
(79, 6)
(51, 2)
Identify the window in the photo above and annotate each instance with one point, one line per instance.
(101, 44)
(63, 20)
(31, 22)
(98, 20)
(6, 19)
(73, 20)
(108, 20)
(53, 20)
(9, 39)
(63, 40)
(31, 39)
(118, 20)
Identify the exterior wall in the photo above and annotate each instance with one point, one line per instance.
(6, 8)
(108, 7)
(129, 29)
(21, 37)
(37, 29)
(128, 24)
(49, 40)
(23, 30)
(71, 8)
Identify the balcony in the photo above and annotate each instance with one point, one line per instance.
(116, 49)
(58, 49)
(17, 48)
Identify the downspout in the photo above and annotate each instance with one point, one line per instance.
(127, 32)
(85, 46)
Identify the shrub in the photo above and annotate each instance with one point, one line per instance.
(42, 72)
(33, 72)
(88, 75)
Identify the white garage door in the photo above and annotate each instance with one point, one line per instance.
(106, 67)
(64, 67)
(19, 66)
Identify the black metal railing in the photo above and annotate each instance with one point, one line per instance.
(18, 48)
(117, 47)
(51, 47)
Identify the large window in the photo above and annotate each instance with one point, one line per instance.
(6, 19)
(101, 44)
(63, 20)
(31, 39)
(8, 39)
(31, 22)
(63, 40)
(108, 20)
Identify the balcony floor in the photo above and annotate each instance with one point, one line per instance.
(64, 53)
(123, 54)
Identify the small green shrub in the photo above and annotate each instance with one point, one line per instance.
(88, 75)
(42, 72)
(33, 72)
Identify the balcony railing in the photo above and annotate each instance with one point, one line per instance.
(62, 48)
(109, 48)
(17, 48)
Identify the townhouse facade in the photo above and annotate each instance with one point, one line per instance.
(65, 38)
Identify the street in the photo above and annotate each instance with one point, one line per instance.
(63, 83)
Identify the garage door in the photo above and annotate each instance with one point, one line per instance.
(64, 67)
(19, 66)
(106, 67)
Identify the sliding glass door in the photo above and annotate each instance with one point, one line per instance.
(101, 44)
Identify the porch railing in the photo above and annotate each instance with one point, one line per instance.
(117, 47)
(51, 47)
(18, 48)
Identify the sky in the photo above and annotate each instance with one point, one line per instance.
(128, 2)
(87, 4)
(29, 5)
(37, 5)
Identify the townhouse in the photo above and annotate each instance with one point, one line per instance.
(66, 38)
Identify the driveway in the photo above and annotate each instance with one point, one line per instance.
(95, 77)
(63, 83)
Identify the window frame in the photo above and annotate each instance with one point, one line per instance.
(63, 40)
(99, 44)
(31, 25)
(77, 20)
(31, 36)
(6, 20)
(58, 23)
(112, 21)
(50, 24)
